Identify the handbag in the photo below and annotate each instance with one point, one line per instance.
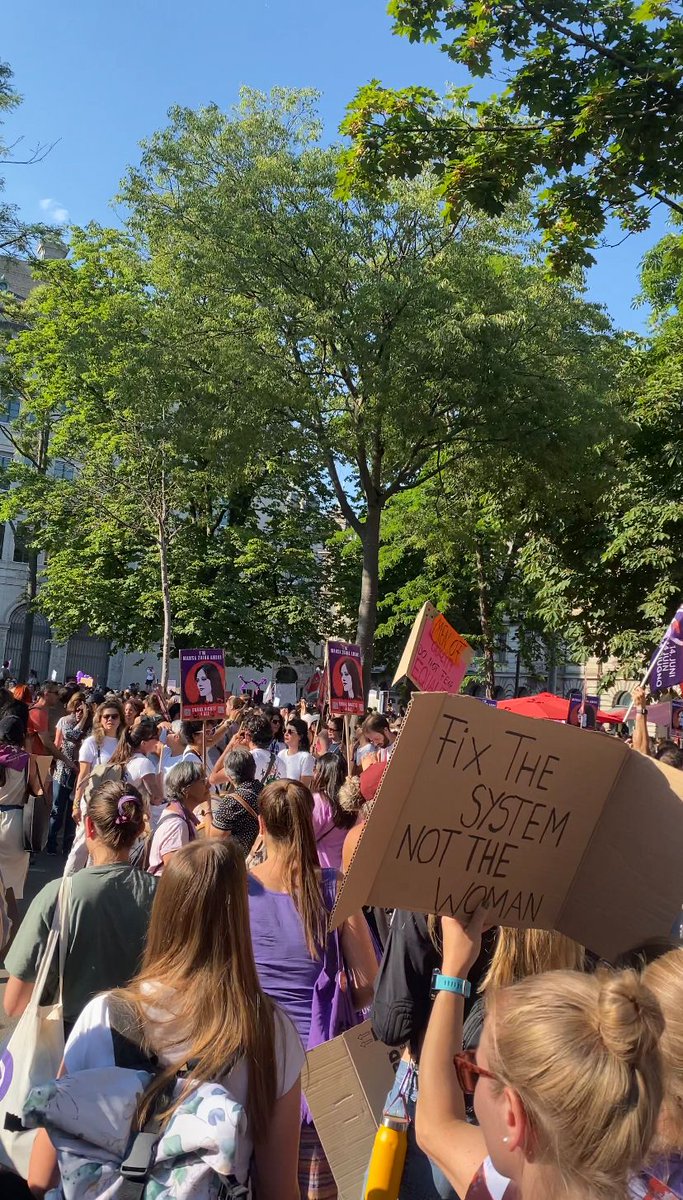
(33, 1053)
(37, 811)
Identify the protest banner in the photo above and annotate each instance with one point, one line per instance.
(548, 827)
(677, 717)
(435, 657)
(344, 671)
(84, 680)
(346, 1082)
(202, 685)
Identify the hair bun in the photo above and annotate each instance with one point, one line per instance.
(349, 796)
(630, 1021)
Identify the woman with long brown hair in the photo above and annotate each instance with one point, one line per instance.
(197, 1000)
(290, 898)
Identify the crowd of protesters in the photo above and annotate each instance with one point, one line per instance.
(201, 865)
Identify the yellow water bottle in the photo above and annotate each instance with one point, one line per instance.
(388, 1159)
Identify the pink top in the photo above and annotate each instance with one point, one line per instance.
(329, 839)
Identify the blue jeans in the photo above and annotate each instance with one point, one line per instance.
(61, 809)
(422, 1179)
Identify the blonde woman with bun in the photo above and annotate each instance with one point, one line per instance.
(664, 1171)
(567, 1082)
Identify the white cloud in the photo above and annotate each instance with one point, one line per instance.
(55, 212)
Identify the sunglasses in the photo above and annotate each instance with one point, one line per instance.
(110, 716)
(469, 1072)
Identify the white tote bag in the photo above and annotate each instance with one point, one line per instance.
(35, 1048)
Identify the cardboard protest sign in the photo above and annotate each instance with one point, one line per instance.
(202, 685)
(435, 657)
(346, 1082)
(550, 828)
(344, 670)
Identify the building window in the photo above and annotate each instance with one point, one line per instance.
(10, 405)
(61, 469)
(20, 547)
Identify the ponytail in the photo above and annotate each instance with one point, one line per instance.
(287, 811)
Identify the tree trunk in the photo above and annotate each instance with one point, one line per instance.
(25, 663)
(487, 633)
(367, 609)
(166, 599)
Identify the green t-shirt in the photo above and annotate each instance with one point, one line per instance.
(108, 919)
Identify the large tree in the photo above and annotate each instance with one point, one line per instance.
(591, 112)
(17, 236)
(167, 529)
(399, 344)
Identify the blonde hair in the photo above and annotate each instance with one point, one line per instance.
(581, 1052)
(287, 811)
(522, 952)
(664, 977)
(199, 951)
(98, 729)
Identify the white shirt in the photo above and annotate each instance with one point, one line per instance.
(90, 1045)
(263, 758)
(139, 767)
(294, 766)
(89, 750)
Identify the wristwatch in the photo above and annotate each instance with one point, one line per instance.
(450, 983)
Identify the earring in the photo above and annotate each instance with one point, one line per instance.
(505, 1141)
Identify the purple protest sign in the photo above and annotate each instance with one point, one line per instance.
(667, 663)
(345, 679)
(202, 685)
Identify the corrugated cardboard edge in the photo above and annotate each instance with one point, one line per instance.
(402, 671)
(356, 886)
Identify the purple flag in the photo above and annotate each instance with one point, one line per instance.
(668, 669)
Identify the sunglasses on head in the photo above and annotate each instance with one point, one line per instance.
(469, 1072)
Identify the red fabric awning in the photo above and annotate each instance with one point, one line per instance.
(549, 708)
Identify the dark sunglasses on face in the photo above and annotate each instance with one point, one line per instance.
(469, 1072)
(110, 716)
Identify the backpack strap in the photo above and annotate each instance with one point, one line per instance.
(244, 803)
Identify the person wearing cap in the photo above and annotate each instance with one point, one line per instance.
(17, 769)
(109, 910)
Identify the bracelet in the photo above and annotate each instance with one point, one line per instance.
(450, 983)
(642, 712)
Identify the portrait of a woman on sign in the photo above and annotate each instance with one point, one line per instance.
(346, 680)
(205, 684)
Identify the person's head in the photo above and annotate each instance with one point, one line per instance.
(109, 720)
(114, 819)
(48, 692)
(256, 729)
(152, 705)
(240, 765)
(199, 948)
(23, 693)
(670, 754)
(277, 726)
(664, 977)
(572, 1080)
(132, 709)
(376, 729)
(174, 738)
(12, 730)
(335, 728)
(286, 822)
(519, 953)
(77, 707)
(209, 683)
(328, 778)
(10, 707)
(187, 784)
(191, 732)
(296, 735)
(143, 737)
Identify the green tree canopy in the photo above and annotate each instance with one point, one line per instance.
(591, 111)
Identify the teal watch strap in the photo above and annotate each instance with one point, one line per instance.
(451, 983)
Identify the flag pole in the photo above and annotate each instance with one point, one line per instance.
(647, 674)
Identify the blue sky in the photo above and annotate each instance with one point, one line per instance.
(96, 78)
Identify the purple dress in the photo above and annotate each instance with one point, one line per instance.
(286, 970)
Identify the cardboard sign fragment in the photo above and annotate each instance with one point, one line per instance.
(435, 657)
(346, 1082)
(550, 828)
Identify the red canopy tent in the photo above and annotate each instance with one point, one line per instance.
(549, 708)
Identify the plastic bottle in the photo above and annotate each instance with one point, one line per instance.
(388, 1159)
